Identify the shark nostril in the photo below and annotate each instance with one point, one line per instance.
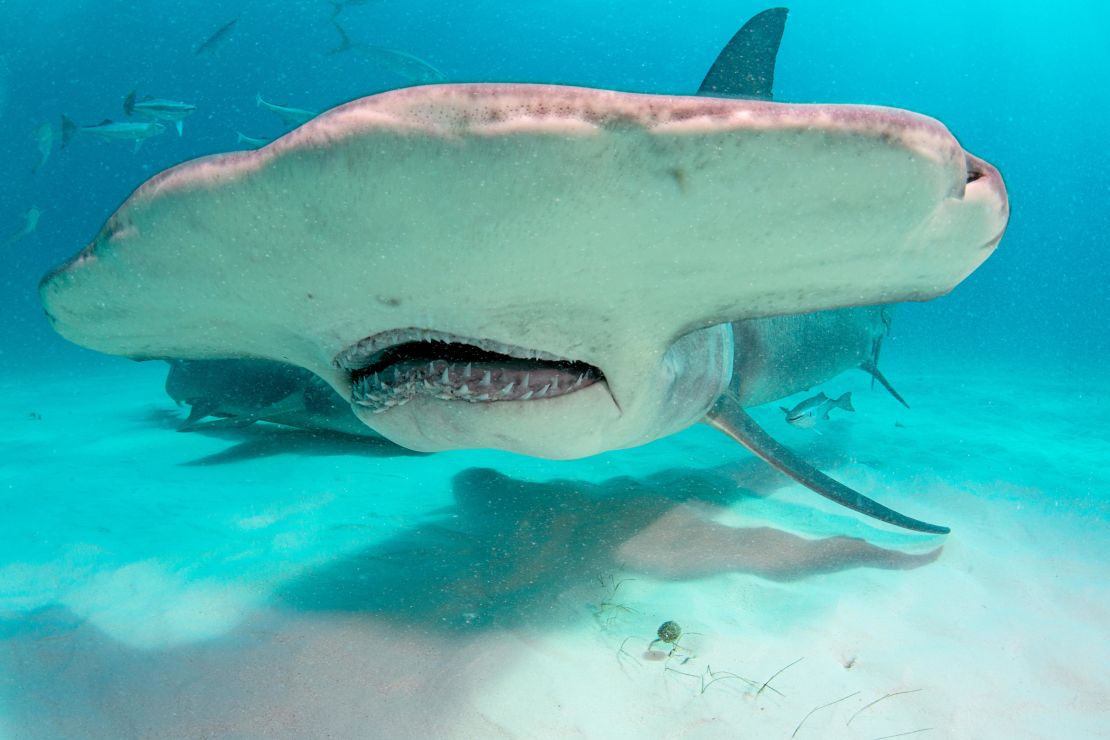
(974, 171)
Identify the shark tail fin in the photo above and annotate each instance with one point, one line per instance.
(871, 368)
(180, 127)
(344, 39)
(129, 103)
(258, 101)
(844, 402)
(69, 130)
(746, 66)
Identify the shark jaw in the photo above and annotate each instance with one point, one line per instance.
(392, 368)
(431, 390)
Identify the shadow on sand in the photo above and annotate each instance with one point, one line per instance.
(401, 640)
(507, 549)
(261, 440)
(267, 440)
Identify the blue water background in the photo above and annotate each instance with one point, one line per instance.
(1026, 86)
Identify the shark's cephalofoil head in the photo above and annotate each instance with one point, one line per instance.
(596, 240)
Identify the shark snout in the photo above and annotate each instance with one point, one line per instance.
(984, 182)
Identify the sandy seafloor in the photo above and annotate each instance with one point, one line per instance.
(272, 583)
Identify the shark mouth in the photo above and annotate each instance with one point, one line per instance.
(392, 368)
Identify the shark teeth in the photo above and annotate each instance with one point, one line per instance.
(360, 354)
(394, 367)
(470, 382)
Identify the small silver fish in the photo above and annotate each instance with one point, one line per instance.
(409, 66)
(251, 141)
(337, 6)
(159, 109)
(289, 116)
(30, 223)
(111, 131)
(807, 413)
(44, 138)
(216, 38)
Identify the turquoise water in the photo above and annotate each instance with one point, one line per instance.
(267, 581)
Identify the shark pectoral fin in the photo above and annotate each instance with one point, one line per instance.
(227, 422)
(730, 417)
(180, 127)
(197, 411)
(872, 369)
(876, 347)
(294, 403)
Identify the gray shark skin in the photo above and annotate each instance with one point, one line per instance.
(745, 68)
(784, 355)
(576, 285)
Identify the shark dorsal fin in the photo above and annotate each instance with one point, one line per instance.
(105, 122)
(745, 68)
